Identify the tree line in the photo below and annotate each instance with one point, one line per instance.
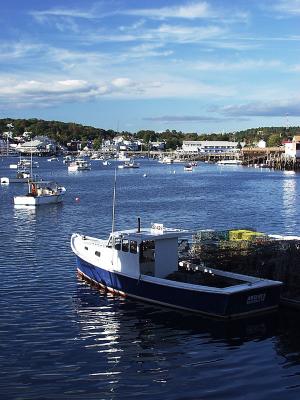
(64, 132)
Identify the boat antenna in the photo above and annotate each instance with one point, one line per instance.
(114, 203)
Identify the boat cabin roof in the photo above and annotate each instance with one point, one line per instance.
(156, 232)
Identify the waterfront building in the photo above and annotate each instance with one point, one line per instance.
(292, 149)
(40, 144)
(210, 146)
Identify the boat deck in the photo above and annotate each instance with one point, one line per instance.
(204, 278)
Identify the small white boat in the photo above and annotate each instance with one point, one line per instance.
(52, 159)
(106, 163)
(129, 164)
(4, 180)
(79, 165)
(41, 192)
(22, 176)
(122, 156)
(188, 167)
(229, 162)
(25, 163)
(166, 160)
(68, 159)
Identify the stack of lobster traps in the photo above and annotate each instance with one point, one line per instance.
(249, 252)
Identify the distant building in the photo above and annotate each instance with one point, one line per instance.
(292, 149)
(74, 145)
(40, 144)
(210, 146)
(3, 145)
(158, 146)
(262, 144)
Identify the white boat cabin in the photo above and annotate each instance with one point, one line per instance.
(148, 251)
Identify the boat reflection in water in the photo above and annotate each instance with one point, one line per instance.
(112, 326)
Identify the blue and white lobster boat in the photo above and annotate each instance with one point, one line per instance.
(144, 264)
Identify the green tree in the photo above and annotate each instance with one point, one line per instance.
(274, 140)
(97, 144)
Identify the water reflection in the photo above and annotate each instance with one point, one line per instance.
(94, 309)
(289, 198)
(288, 339)
(138, 344)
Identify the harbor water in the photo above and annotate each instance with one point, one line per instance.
(63, 339)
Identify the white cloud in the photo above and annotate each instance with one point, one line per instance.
(17, 50)
(122, 83)
(187, 11)
(236, 66)
(62, 12)
(164, 33)
(188, 118)
(288, 7)
(277, 108)
(51, 91)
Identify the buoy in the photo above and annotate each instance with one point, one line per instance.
(77, 199)
(145, 175)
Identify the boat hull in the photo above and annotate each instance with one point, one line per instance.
(223, 305)
(37, 201)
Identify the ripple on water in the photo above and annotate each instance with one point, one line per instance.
(60, 338)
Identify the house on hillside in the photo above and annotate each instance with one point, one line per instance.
(157, 146)
(261, 144)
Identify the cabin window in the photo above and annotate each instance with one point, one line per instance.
(117, 243)
(147, 251)
(125, 245)
(133, 246)
(97, 253)
(86, 248)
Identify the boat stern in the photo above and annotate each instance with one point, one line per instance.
(254, 300)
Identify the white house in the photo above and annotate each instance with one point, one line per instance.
(262, 144)
(210, 146)
(292, 149)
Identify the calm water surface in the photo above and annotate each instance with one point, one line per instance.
(62, 339)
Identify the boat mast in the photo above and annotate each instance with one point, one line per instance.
(114, 203)
(31, 173)
(30, 179)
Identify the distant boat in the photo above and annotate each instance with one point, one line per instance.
(166, 160)
(79, 165)
(188, 167)
(129, 164)
(13, 166)
(106, 162)
(23, 175)
(25, 163)
(52, 159)
(40, 193)
(68, 159)
(229, 162)
(123, 156)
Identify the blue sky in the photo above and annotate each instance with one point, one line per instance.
(194, 66)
